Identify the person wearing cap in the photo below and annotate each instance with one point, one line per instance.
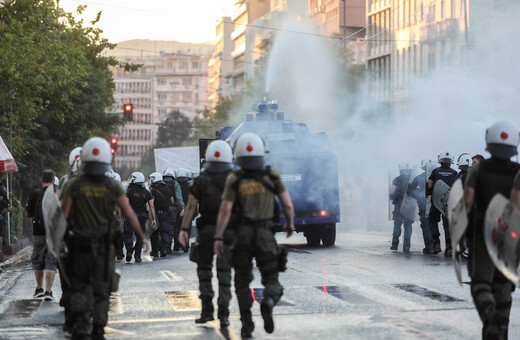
(162, 197)
(88, 203)
(490, 289)
(253, 189)
(448, 175)
(206, 192)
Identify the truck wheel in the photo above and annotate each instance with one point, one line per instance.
(329, 235)
(313, 237)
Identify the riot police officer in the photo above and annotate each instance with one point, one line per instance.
(446, 174)
(463, 162)
(118, 236)
(397, 191)
(74, 163)
(139, 197)
(252, 190)
(88, 203)
(207, 191)
(490, 289)
(183, 178)
(417, 190)
(177, 207)
(163, 198)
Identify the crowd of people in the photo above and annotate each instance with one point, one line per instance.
(106, 222)
(481, 179)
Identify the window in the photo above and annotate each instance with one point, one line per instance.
(195, 65)
(186, 81)
(183, 65)
(162, 96)
(161, 81)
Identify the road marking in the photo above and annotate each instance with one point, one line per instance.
(113, 331)
(347, 295)
(180, 318)
(187, 300)
(411, 288)
(170, 276)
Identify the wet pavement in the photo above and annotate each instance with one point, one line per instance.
(358, 289)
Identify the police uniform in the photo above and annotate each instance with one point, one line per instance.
(448, 176)
(253, 236)
(160, 238)
(417, 190)
(185, 191)
(207, 189)
(175, 208)
(490, 289)
(90, 262)
(401, 182)
(138, 198)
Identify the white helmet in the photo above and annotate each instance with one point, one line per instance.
(136, 178)
(75, 160)
(219, 157)
(424, 162)
(117, 177)
(182, 175)
(56, 181)
(464, 161)
(445, 157)
(502, 139)
(96, 156)
(405, 166)
(169, 173)
(155, 177)
(250, 151)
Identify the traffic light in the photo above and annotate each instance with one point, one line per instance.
(128, 111)
(113, 145)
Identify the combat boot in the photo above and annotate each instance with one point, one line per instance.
(427, 249)
(248, 325)
(436, 247)
(395, 243)
(406, 247)
(129, 255)
(266, 308)
(81, 326)
(223, 316)
(207, 311)
(448, 251)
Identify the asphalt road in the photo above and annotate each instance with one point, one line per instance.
(358, 289)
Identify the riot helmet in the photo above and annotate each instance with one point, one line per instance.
(464, 161)
(502, 139)
(117, 177)
(155, 177)
(96, 156)
(75, 160)
(425, 162)
(182, 175)
(56, 181)
(168, 174)
(136, 178)
(445, 157)
(250, 151)
(219, 157)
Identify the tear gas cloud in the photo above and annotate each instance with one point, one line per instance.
(447, 109)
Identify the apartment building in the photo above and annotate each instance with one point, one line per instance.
(342, 18)
(220, 65)
(166, 82)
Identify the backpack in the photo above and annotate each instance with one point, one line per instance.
(258, 176)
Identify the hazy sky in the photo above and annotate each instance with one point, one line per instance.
(182, 20)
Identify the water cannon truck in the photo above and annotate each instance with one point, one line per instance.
(307, 164)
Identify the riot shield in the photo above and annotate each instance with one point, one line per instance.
(458, 223)
(440, 195)
(501, 234)
(409, 208)
(428, 169)
(55, 225)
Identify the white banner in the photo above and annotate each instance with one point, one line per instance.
(186, 157)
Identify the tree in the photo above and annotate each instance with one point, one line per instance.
(55, 85)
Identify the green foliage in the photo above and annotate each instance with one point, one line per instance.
(173, 131)
(55, 85)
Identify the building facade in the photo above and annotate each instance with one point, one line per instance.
(220, 65)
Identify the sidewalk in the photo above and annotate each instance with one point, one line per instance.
(10, 260)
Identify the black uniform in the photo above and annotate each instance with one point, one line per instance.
(207, 189)
(138, 198)
(490, 289)
(160, 238)
(448, 176)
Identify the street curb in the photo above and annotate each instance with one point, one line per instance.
(16, 258)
